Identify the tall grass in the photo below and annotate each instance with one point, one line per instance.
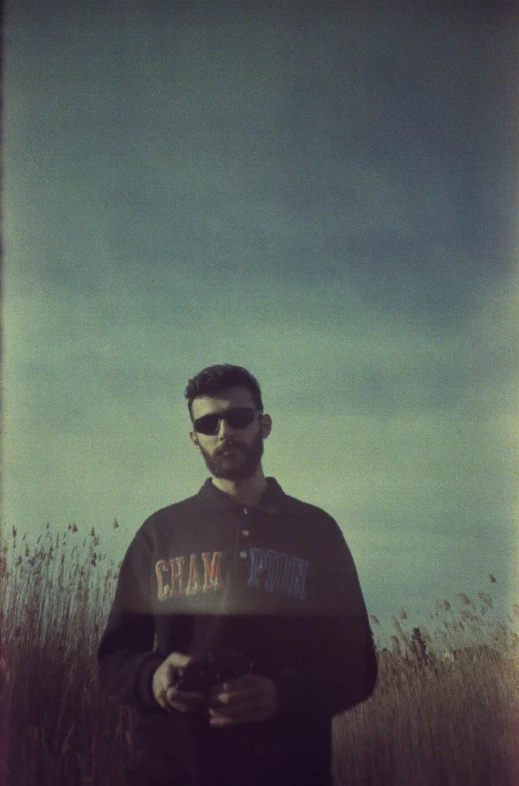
(434, 720)
(58, 726)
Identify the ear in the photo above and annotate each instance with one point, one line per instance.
(194, 438)
(266, 425)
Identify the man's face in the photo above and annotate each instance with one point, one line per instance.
(231, 453)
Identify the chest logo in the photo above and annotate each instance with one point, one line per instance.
(281, 573)
(189, 576)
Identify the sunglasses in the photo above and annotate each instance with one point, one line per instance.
(238, 417)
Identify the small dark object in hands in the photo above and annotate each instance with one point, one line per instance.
(201, 675)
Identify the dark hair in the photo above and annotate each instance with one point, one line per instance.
(213, 379)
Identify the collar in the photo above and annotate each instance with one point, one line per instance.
(270, 501)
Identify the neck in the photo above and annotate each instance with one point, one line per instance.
(246, 490)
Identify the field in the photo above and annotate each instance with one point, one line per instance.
(445, 711)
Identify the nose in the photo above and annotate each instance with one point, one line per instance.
(224, 429)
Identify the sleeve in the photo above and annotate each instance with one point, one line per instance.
(336, 667)
(125, 655)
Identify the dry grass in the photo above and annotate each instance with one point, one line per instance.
(58, 726)
(432, 721)
(436, 723)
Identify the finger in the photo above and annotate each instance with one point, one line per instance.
(260, 708)
(239, 683)
(162, 702)
(187, 697)
(179, 659)
(222, 718)
(245, 681)
(228, 716)
(222, 687)
(235, 698)
(219, 721)
(240, 707)
(217, 717)
(183, 701)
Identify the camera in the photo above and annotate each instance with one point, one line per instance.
(201, 675)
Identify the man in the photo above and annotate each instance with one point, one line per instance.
(238, 627)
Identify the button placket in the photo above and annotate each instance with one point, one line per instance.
(243, 533)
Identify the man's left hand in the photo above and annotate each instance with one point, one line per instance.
(244, 700)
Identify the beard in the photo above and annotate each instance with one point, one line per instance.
(242, 464)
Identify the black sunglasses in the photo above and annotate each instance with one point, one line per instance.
(238, 417)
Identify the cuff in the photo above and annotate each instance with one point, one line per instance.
(143, 690)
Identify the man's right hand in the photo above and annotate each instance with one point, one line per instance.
(164, 690)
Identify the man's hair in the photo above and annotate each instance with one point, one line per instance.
(213, 379)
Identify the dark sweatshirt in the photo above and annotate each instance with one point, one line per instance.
(274, 582)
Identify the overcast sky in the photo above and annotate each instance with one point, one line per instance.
(324, 193)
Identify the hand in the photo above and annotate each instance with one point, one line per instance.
(244, 700)
(163, 686)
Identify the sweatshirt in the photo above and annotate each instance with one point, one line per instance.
(274, 582)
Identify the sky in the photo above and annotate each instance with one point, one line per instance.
(325, 193)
